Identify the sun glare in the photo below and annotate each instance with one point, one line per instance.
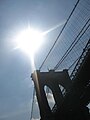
(29, 41)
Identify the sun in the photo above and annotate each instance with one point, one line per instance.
(29, 41)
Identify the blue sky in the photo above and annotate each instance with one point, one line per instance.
(15, 67)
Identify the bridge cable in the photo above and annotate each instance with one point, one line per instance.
(59, 34)
(73, 44)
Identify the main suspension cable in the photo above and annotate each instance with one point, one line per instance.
(59, 34)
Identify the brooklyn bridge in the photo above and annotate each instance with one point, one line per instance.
(68, 75)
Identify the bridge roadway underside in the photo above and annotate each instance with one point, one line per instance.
(76, 100)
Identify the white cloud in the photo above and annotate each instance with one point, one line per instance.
(35, 118)
(50, 98)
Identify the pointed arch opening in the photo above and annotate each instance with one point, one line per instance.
(49, 96)
(63, 90)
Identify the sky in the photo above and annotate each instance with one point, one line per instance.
(16, 86)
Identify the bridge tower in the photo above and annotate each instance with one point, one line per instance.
(52, 80)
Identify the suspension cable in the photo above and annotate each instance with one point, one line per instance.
(73, 44)
(59, 34)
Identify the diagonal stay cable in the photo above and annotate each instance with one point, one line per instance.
(73, 44)
(73, 63)
(59, 34)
